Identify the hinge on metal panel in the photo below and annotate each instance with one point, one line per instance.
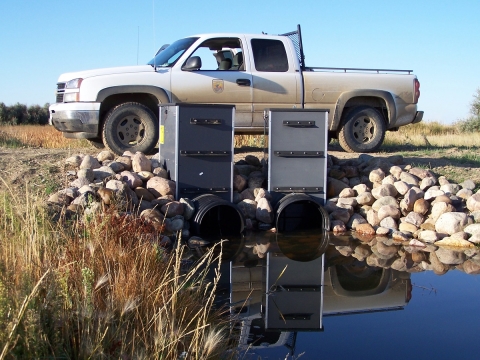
(311, 189)
(194, 121)
(294, 123)
(204, 153)
(202, 190)
(318, 154)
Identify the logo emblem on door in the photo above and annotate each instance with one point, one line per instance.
(217, 86)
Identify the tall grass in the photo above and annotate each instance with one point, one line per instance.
(100, 287)
(432, 134)
(44, 136)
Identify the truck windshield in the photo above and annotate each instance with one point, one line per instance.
(170, 55)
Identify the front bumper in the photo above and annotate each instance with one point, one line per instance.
(76, 120)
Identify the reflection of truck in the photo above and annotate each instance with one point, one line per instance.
(280, 297)
(119, 106)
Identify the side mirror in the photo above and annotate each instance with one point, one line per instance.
(193, 63)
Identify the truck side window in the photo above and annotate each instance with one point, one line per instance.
(269, 55)
(219, 53)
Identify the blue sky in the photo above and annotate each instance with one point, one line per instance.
(439, 40)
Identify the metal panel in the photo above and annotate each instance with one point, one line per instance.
(196, 148)
(294, 299)
(298, 151)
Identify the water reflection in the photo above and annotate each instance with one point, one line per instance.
(277, 285)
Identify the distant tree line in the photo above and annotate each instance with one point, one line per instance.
(472, 123)
(20, 114)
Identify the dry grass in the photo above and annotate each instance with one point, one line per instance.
(432, 134)
(100, 287)
(44, 136)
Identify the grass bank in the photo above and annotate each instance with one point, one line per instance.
(100, 286)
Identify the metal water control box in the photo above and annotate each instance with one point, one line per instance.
(294, 300)
(297, 152)
(196, 148)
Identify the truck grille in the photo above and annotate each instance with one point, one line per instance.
(60, 91)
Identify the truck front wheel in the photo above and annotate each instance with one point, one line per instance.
(363, 130)
(130, 126)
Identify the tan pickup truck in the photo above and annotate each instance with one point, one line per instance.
(118, 107)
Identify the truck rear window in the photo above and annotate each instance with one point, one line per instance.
(269, 55)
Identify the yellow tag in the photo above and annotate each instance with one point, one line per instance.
(162, 134)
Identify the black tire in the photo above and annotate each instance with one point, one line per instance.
(130, 126)
(363, 130)
(97, 143)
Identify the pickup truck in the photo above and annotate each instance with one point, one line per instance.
(118, 107)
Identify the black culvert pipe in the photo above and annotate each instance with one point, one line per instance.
(216, 217)
(299, 211)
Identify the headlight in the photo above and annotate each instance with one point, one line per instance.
(71, 97)
(73, 84)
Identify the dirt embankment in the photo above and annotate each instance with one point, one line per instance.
(45, 168)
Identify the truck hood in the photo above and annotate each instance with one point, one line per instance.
(106, 71)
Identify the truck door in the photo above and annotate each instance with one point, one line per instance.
(276, 82)
(221, 78)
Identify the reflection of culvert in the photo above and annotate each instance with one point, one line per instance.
(303, 246)
(300, 212)
(216, 217)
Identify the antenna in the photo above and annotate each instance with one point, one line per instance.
(153, 14)
(138, 41)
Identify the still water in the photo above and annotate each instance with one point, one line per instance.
(298, 296)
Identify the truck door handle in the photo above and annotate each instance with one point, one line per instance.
(243, 82)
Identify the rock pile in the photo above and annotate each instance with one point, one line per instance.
(382, 196)
(370, 196)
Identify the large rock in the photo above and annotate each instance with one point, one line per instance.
(433, 192)
(239, 182)
(335, 187)
(87, 174)
(365, 198)
(172, 209)
(450, 257)
(451, 223)
(414, 219)
(376, 176)
(355, 220)
(89, 162)
(159, 186)
(468, 184)
(428, 236)
(454, 242)
(126, 161)
(388, 210)
(384, 190)
(141, 163)
(387, 200)
(409, 179)
(144, 194)
(105, 156)
(402, 187)
(440, 208)
(472, 229)
(264, 212)
(248, 208)
(365, 229)
(131, 179)
(473, 202)
(389, 223)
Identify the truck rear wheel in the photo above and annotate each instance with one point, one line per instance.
(130, 126)
(363, 130)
